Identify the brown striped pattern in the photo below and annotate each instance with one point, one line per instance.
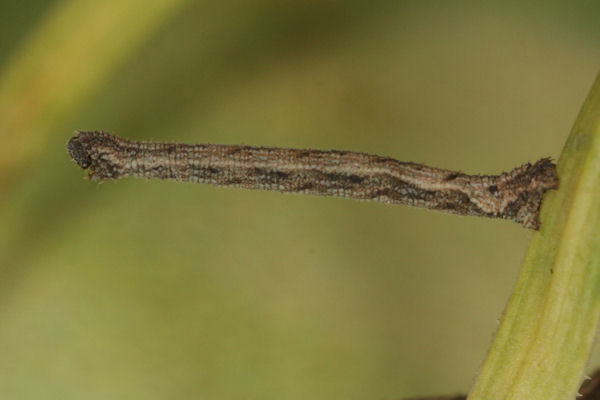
(515, 195)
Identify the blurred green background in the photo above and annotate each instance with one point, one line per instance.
(159, 290)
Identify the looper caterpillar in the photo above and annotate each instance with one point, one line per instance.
(514, 195)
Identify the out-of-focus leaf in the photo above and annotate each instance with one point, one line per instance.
(72, 51)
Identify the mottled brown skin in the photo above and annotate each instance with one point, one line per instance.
(514, 195)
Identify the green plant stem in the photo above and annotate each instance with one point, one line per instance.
(547, 331)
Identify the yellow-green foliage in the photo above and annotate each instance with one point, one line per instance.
(547, 330)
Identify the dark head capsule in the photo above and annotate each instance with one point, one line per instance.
(78, 153)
